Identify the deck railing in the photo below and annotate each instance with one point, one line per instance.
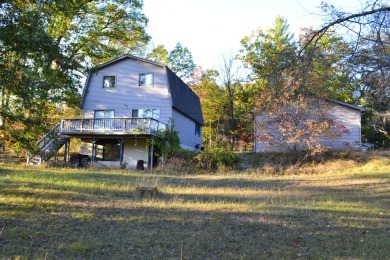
(111, 126)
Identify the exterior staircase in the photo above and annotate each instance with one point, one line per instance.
(51, 142)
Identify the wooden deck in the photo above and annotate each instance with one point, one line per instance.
(111, 126)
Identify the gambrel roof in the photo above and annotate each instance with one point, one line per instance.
(183, 98)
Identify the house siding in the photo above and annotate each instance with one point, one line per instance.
(348, 117)
(133, 150)
(186, 129)
(86, 147)
(127, 94)
(351, 120)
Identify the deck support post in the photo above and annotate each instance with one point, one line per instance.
(93, 141)
(151, 155)
(66, 150)
(121, 142)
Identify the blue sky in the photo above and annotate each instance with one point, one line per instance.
(208, 28)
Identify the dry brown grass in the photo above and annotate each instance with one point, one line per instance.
(93, 214)
(288, 163)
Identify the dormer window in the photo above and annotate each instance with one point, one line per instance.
(108, 81)
(146, 79)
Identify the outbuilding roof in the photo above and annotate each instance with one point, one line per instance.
(361, 109)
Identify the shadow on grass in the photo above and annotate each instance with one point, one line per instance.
(62, 219)
(149, 232)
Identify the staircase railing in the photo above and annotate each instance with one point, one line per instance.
(47, 141)
(49, 136)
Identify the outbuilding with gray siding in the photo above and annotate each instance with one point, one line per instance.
(344, 114)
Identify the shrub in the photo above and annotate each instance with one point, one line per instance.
(215, 159)
(182, 161)
(191, 161)
(167, 143)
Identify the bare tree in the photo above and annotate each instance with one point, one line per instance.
(372, 15)
(367, 35)
(229, 78)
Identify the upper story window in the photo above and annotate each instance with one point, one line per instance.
(146, 113)
(146, 79)
(108, 81)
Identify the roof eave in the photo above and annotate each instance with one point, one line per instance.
(126, 56)
(85, 90)
(361, 109)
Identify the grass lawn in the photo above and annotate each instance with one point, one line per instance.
(341, 213)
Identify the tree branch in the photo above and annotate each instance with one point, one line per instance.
(325, 28)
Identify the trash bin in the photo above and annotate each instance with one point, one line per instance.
(83, 161)
(140, 165)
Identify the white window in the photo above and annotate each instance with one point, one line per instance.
(108, 81)
(104, 113)
(146, 79)
(102, 120)
(146, 113)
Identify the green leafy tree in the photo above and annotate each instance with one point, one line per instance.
(213, 102)
(34, 72)
(321, 69)
(367, 34)
(244, 103)
(92, 32)
(159, 54)
(268, 53)
(181, 61)
(292, 113)
(46, 47)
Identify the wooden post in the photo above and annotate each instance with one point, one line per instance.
(151, 155)
(93, 141)
(121, 142)
(66, 150)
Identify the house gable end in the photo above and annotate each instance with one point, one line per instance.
(127, 96)
(109, 63)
